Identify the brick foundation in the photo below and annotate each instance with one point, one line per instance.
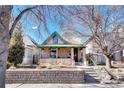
(42, 76)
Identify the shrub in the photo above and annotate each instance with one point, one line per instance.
(16, 54)
(9, 64)
(16, 49)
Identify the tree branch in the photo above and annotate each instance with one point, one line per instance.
(19, 17)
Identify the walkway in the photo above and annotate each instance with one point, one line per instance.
(64, 85)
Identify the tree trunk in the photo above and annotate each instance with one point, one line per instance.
(5, 12)
(108, 62)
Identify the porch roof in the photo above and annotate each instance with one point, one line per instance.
(63, 46)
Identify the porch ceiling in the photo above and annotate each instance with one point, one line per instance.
(63, 46)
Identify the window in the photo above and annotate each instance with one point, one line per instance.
(53, 53)
(55, 39)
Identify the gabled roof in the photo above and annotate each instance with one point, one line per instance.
(29, 41)
(106, 34)
(52, 35)
(44, 44)
(33, 41)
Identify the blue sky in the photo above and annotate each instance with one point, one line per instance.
(39, 34)
(31, 28)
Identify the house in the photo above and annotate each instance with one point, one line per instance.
(54, 50)
(98, 57)
(58, 50)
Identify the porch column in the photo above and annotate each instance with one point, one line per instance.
(56, 52)
(72, 56)
(40, 53)
(122, 55)
(84, 57)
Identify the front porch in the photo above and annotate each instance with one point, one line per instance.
(68, 55)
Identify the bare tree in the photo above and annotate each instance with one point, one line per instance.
(106, 25)
(5, 35)
(91, 17)
(5, 12)
(37, 14)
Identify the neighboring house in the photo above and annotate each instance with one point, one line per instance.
(93, 49)
(31, 51)
(55, 49)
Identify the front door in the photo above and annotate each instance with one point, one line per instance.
(76, 54)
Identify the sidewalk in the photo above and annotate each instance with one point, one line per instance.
(64, 85)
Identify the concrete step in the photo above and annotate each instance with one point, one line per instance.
(91, 72)
(91, 75)
(87, 78)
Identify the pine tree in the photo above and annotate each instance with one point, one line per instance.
(16, 48)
